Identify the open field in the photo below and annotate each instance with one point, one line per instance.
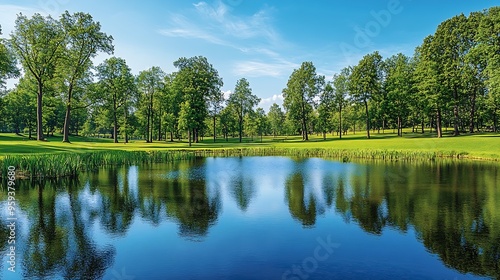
(484, 146)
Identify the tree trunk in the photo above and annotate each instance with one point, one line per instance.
(324, 135)
(472, 112)
(340, 122)
(125, 123)
(151, 129)
(115, 123)
(423, 125)
(495, 121)
(66, 124)
(305, 136)
(160, 135)
(456, 130)
(148, 124)
(39, 119)
(240, 127)
(171, 136)
(367, 120)
(400, 132)
(456, 117)
(189, 137)
(67, 116)
(214, 128)
(438, 124)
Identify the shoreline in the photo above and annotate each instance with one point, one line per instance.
(57, 165)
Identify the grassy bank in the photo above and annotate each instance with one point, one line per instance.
(53, 158)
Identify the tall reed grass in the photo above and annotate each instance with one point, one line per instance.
(70, 164)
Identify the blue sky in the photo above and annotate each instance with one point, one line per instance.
(262, 41)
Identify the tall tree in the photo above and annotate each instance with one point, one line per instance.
(451, 41)
(198, 82)
(341, 91)
(215, 107)
(84, 40)
(276, 118)
(115, 82)
(325, 110)
(398, 86)
(173, 100)
(262, 122)
(365, 82)
(303, 87)
(38, 43)
(242, 101)
(490, 48)
(429, 82)
(150, 84)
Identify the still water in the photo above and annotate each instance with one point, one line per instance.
(260, 218)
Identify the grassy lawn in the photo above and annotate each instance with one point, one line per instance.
(477, 145)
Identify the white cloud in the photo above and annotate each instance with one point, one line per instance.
(258, 69)
(227, 93)
(218, 25)
(267, 102)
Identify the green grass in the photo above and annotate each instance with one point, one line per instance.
(484, 146)
(52, 158)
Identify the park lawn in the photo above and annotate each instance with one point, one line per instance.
(486, 146)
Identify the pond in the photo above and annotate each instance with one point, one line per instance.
(260, 218)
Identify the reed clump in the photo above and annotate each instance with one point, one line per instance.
(70, 164)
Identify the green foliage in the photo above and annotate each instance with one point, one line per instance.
(8, 68)
(150, 85)
(116, 83)
(303, 86)
(38, 43)
(198, 83)
(365, 83)
(84, 40)
(276, 118)
(242, 102)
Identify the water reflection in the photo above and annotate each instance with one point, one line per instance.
(68, 229)
(52, 236)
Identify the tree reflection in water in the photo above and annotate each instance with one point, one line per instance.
(452, 207)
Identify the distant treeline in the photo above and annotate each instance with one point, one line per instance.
(452, 80)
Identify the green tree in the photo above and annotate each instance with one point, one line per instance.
(116, 84)
(198, 82)
(428, 80)
(341, 90)
(303, 86)
(8, 67)
(84, 40)
(262, 122)
(398, 86)
(365, 82)
(20, 109)
(325, 110)
(451, 43)
(242, 102)
(276, 118)
(228, 121)
(38, 43)
(489, 45)
(150, 84)
(215, 107)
